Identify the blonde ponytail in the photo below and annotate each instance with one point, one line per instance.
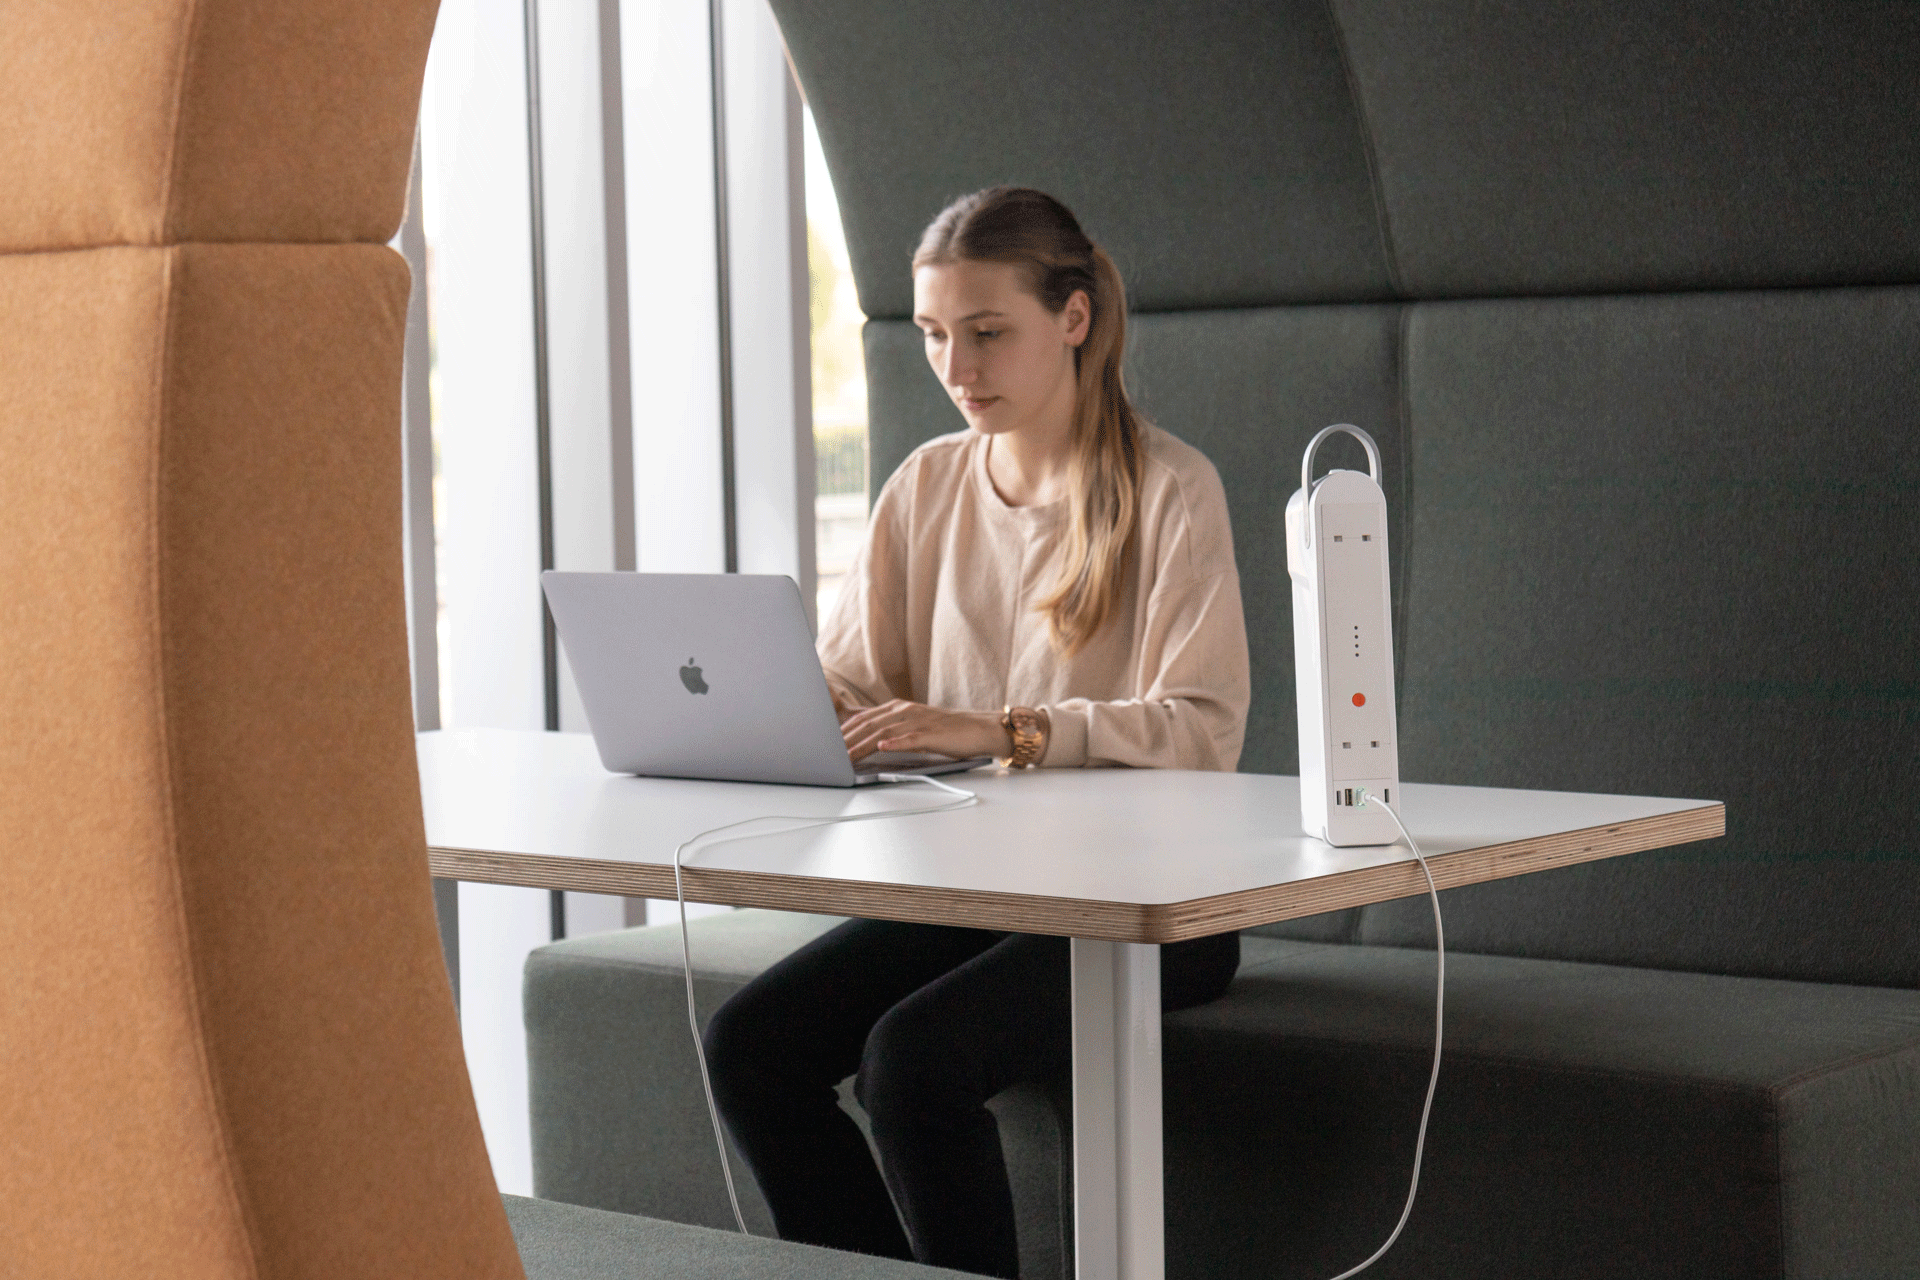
(1030, 228)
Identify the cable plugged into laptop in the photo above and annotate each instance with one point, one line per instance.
(961, 799)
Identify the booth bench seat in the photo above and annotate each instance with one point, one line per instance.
(618, 1118)
(1592, 1120)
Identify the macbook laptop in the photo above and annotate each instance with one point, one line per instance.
(709, 675)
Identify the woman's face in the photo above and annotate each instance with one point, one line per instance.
(1006, 360)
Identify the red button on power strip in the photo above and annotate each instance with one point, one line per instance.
(1359, 699)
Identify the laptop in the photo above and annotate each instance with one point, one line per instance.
(709, 675)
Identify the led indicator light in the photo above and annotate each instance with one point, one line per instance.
(1359, 699)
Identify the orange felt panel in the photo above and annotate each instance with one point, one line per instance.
(230, 1049)
(105, 1101)
(159, 121)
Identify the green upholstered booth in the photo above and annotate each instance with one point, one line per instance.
(1629, 293)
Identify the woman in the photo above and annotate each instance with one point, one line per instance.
(1055, 586)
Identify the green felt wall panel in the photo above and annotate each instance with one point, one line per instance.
(1212, 148)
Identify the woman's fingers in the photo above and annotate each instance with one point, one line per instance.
(895, 726)
(913, 726)
(867, 715)
(869, 719)
(866, 729)
(862, 745)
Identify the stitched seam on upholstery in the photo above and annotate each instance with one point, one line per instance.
(167, 243)
(1861, 1059)
(177, 113)
(1277, 963)
(1417, 1049)
(214, 1096)
(1772, 1091)
(1403, 407)
(1589, 295)
(662, 968)
(1403, 411)
(1354, 923)
(1358, 99)
(1779, 1179)
(1600, 295)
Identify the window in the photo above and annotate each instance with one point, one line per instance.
(839, 383)
(615, 253)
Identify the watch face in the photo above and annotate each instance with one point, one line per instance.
(1024, 724)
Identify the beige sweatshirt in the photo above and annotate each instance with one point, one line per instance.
(939, 608)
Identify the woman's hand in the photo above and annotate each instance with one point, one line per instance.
(900, 725)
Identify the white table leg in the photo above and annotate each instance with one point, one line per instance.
(1119, 1218)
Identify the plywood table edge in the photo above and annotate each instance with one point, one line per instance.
(876, 900)
(1201, 917)
(1081, 917)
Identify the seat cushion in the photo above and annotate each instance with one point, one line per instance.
(567, 1242)
(619, 1120)
(1591, 1120)
(619, 1117)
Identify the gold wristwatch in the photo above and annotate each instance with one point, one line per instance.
(1028, 729)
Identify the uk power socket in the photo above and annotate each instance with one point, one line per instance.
(1343, 648)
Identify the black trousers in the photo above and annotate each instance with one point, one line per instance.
(931, 1022)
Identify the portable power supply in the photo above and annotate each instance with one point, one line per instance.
(1343, 648)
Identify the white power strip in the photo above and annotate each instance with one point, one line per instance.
(1343, 649)
(1343, 674)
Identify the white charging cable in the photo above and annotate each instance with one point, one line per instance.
(1361, 799)
(961, 800)
(806, 821)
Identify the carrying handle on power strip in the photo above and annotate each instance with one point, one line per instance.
(1374, 468)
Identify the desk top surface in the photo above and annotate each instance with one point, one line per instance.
(1132, 855)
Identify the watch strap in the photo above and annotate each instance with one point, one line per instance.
(1028, 729)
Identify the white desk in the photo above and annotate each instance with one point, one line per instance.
(1113, 859)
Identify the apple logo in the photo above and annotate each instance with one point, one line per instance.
(690, 677)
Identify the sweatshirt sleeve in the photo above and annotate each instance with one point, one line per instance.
(1192, 657)
(862, 644)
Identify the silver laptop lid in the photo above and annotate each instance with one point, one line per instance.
(696, 675)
